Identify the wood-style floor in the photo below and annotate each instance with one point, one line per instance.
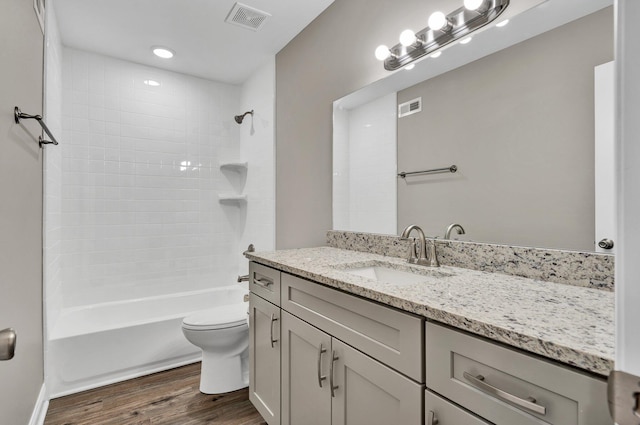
(169, 398)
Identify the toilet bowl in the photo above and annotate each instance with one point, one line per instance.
(222, 333)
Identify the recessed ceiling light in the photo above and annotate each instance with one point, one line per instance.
(465, 40)
(162, 52)
(503, 23)
(152, 83)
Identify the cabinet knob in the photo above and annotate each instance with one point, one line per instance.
(605, 243)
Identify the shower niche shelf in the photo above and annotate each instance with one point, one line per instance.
(238, 167)
(237, 200)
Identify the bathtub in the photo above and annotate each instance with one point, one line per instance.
(96, 345)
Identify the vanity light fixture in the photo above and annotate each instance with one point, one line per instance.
(162, 52)
(442, 30)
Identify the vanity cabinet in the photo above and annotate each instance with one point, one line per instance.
(327, 382)
(392, 337)
(505, 386)
(264, 342)
(341, 360)
(320, 356)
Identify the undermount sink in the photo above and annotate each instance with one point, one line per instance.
(380, 272)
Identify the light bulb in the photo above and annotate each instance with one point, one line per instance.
(503, 23)
(437, 21)
(473, 4)
(382, 52)
(465, 40)
(436, 55)
(407, 38)
(162, 52)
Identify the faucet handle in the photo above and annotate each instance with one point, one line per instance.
(413, 250)
(433, 256)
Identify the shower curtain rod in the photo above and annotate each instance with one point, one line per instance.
(18, 115)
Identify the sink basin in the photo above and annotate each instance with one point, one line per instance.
(383, 273)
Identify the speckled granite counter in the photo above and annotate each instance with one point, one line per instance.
(570, 324)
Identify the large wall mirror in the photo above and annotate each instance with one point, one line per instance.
(516, 110)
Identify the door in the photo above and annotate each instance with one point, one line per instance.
(306, 396)
(264, 358)
(367, 392)
(628, 191)
(21, 67)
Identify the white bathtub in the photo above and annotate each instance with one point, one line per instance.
(100, 344)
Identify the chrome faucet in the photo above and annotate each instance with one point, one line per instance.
(421, 258)
(459, 229)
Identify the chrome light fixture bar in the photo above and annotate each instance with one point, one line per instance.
(442, 30)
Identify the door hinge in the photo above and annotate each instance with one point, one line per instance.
(623, 394)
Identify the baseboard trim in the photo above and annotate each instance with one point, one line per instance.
(40, 409)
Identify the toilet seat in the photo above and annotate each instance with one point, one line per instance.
(223, 317)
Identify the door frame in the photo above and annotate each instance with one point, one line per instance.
(627, 274)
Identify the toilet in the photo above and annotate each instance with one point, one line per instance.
(222, 333)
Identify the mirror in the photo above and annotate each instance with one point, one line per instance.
(515, 114)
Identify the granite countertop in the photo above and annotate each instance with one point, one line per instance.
(570, 324)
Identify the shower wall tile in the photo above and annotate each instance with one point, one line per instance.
(140, 180)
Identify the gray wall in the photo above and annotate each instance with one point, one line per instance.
(330, 58)
(519, 124)
(21, 53)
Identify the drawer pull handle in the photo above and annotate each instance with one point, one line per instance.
(530, 403)
(261, 281)
(333, 387)
(320, 377)
(273, 319)
(432, 418)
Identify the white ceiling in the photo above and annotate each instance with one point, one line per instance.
(205, 45)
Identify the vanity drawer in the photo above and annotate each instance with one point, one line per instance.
(393, 337)
(499, 383)
(439, 411)
(265, 281)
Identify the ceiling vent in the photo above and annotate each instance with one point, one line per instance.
(247, 17)
(411, 107)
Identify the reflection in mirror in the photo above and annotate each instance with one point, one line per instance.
(519, 124)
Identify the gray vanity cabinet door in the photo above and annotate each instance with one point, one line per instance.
(368, 392)
(264, 358)
(306, 396)
(439, 411)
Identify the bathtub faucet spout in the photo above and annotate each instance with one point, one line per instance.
(244, 278)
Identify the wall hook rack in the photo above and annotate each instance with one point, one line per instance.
(19, 115)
